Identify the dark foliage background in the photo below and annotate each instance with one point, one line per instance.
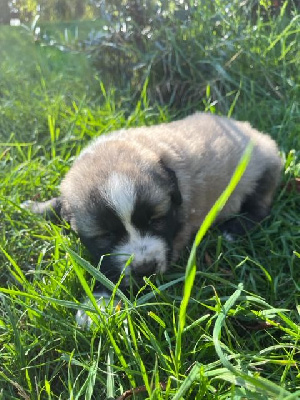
(182, 47)
(196, 54)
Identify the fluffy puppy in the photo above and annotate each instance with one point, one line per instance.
(145, 191)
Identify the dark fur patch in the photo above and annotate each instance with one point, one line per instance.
(101, 251)
(254, 207)
(165, 226)
(109, 221)
(173, 181)
(142, 214)
(111, 230)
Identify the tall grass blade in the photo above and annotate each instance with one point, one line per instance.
(110, 380)
(191, 264)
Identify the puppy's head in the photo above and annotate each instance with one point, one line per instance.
(122, 213)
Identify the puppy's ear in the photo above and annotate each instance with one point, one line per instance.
(175, 192)
(51, 209)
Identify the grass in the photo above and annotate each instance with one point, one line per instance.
(237, 334)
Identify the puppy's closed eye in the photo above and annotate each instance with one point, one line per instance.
(99, 240)
(104, 237)
(157, 220)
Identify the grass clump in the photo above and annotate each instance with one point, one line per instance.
(240, 336)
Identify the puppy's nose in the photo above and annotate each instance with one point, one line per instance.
(147, 268)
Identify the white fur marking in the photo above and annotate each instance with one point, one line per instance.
(82, 318)
(102, 299)
(120, 194)
(145, 249)
(228, 236)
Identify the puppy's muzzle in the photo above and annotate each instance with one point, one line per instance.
(147, 268)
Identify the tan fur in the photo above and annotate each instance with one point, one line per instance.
(202, 149)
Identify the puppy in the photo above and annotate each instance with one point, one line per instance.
(145, 191)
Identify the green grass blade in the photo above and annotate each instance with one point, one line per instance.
(186, 384)
(246, 380)
(110, 381)
(191, 264)
(97, 275)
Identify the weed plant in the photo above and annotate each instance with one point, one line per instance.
(226, 326)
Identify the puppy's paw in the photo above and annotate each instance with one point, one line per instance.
(28, 205)
(50, 209)
(102, 298)
(228, 236)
